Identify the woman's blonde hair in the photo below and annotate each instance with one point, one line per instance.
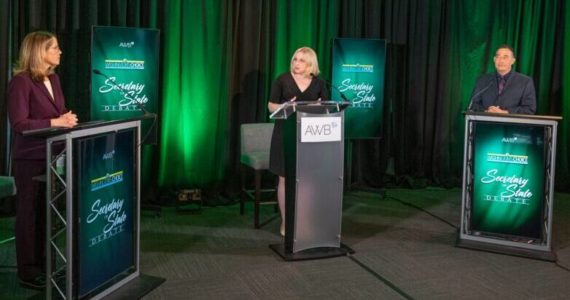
(310, 58)
(32, 52)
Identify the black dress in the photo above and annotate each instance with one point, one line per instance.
(283, 90)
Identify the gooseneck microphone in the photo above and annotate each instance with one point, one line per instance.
(470, 107)
(115, 85)
(332, 87)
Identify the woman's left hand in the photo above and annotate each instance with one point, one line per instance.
(70, 118)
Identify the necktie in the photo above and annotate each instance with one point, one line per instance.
(502, 83)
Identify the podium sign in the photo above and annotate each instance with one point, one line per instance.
(106, 192)
(321, 129)
(508, 184)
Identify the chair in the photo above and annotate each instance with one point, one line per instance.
(255, 143)
(7, 183)
(7, 188)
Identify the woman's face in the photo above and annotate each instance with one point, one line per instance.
(300, 64)
(52, 54)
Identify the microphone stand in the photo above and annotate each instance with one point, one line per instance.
(470, 107)
(333, 87)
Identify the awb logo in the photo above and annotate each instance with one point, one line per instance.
(126, 44)
(517, 139)
(316, 130)
(109, 155)
(324, 129)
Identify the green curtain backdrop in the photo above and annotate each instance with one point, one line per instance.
(561, 99)
(304, 23)
(220, 57)
(5, 65)
(196, 64)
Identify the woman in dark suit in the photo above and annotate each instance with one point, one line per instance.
(35, 100)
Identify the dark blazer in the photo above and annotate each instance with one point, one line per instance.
(518, 96)
(30, 106)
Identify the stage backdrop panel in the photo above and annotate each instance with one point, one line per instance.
(128, 59)
(508, 181)
(358, 73)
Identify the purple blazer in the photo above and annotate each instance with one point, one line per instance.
(30, 106)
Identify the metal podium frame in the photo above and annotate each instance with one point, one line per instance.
(512, 245)
(60, 204)
(314, 181)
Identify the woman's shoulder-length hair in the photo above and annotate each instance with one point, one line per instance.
(32, 52)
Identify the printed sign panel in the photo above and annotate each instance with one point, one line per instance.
(106, 194)
(508, 183)
(316, 130)
(358, 77)
(124, 65)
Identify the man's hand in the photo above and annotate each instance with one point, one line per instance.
(497, 110)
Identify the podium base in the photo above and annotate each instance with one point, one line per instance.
(136, 288)
(514, 251)
(314, 253)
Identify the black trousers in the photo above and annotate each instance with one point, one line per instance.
(30, 218)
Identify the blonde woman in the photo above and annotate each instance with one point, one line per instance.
(299, 84)
(35, 100)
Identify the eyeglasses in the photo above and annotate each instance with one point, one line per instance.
(503, 56)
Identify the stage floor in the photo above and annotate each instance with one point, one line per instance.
(404, 243)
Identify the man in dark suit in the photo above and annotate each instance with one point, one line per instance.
(504, 91)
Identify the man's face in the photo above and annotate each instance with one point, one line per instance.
(504, 61)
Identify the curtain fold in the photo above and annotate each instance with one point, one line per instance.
(5, 72)
(249, 77)
(563, 153)
(194, 116)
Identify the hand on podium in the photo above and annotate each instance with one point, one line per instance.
(497, 109)
(67, 120)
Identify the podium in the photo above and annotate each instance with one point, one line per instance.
(92, 221)
(508, 184)
(313, 140)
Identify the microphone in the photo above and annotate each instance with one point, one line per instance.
(112, 81)
(332, 87)
(470, 107)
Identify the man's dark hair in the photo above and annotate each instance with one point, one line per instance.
(505, 46)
